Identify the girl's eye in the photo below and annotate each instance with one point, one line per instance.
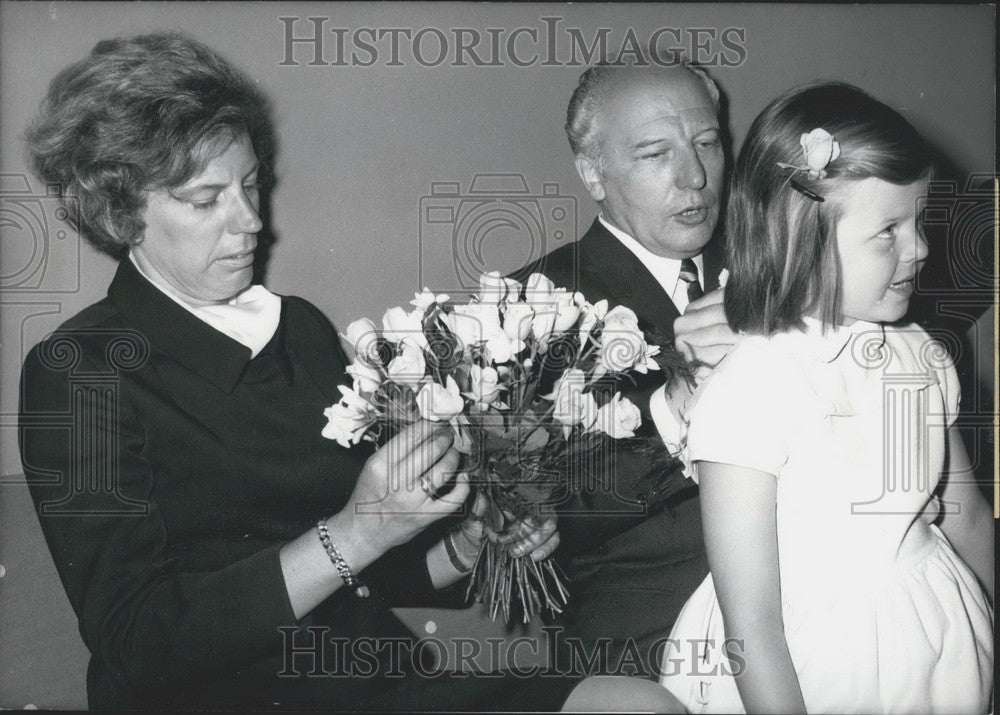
(889, 232)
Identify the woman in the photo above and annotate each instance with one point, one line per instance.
(197, 518)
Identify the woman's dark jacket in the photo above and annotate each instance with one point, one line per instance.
(167, 469)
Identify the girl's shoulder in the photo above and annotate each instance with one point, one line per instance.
(759, 370)
(745, 410)
(767, 357)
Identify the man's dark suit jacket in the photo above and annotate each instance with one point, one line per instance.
(634, 539)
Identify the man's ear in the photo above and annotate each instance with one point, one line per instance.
(591, 176)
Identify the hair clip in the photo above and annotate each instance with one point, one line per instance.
(819, 148)
(804, 191)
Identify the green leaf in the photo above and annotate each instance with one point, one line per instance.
(536, 440)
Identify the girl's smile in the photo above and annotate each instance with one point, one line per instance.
(881, 248)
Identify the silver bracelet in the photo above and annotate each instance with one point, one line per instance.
(456, 560)
(338, 561)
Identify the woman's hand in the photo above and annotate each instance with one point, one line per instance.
(392, 501)
(537, 539)
(389, 506)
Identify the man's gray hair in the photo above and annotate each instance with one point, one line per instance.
(593, 86)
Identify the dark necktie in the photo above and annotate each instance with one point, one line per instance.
(689, 274)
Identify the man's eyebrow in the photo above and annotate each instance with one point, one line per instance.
(643, 143)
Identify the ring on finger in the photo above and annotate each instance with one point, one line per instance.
(427, 486)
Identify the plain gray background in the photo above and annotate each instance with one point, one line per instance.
(361, 146)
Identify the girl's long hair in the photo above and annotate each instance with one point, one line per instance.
(782, 251)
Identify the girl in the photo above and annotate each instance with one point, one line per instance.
(822, 436)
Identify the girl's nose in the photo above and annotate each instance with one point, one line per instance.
(917, 246)
(923, 249)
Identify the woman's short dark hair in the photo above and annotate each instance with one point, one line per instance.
(782, 246)
(141, 113)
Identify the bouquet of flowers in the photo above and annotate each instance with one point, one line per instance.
(515, 373)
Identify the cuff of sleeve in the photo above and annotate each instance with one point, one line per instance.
(401, 575)
(663, 418)
(273, 589)
(232, 630)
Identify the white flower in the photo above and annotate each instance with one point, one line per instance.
(819, 148)
(480, 323)
(623, 346)
(362, 336)
(542, 323)
(592, 314)
(572, 406)
(426, 298)
(349, 419)
(366, 377)
(495, 289)
(440, 404)
(555, 309)
(622, 314)
(566, 311)
(538, 288)
(517, 321)
(408, 367)
(484, 386)
(399, 325)
(618, 418)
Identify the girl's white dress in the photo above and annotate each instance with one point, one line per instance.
(880, 613)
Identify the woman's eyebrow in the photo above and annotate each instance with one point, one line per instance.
(209, 187)
(186, 191)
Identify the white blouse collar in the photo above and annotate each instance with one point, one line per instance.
(827, 345)
(250, 318)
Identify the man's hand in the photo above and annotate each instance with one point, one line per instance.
(702, 333)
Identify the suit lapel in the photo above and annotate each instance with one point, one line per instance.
(626, 281)
(607, 265)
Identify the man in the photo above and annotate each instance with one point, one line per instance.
(648, 147)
